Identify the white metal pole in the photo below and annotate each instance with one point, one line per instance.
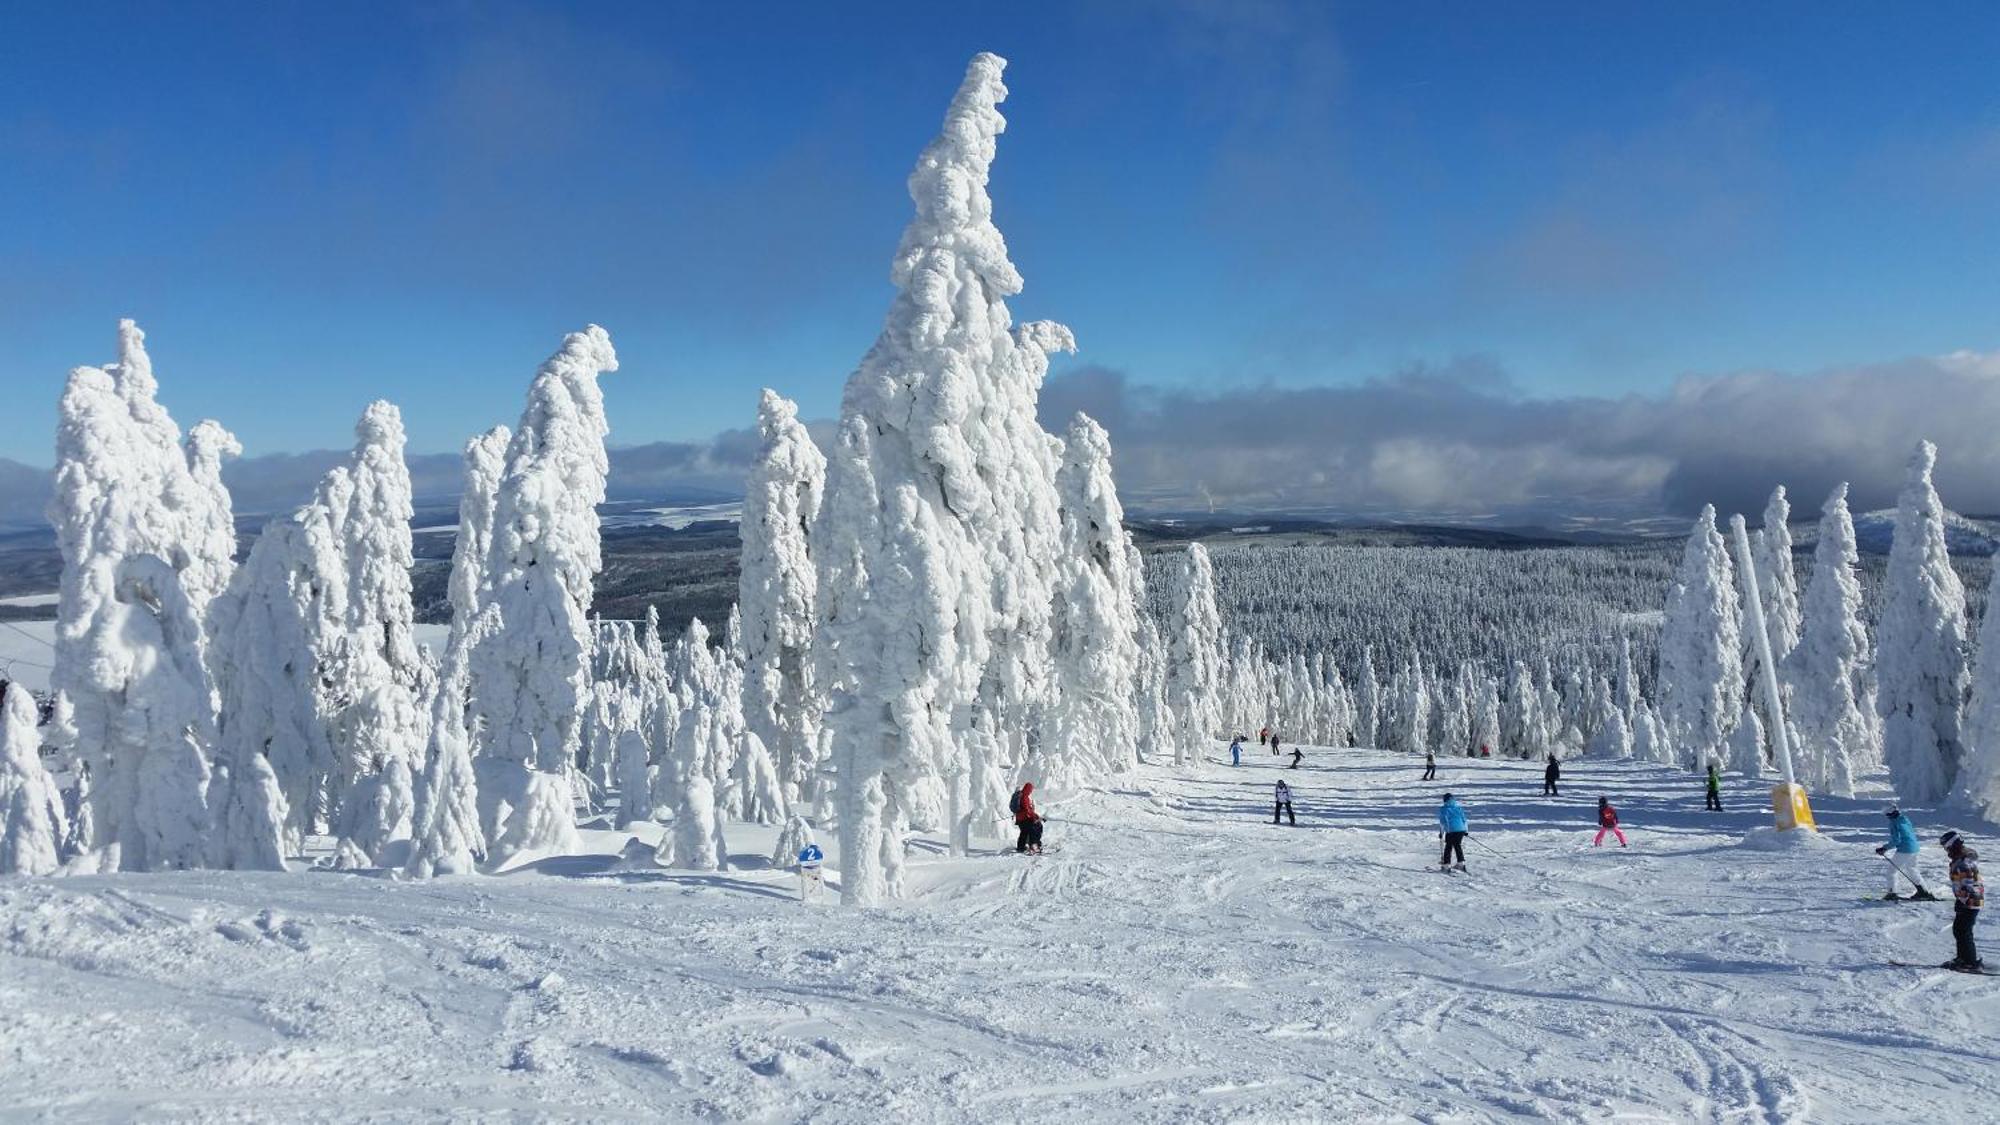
(1773, 705)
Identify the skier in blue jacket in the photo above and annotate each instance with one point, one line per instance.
(1453, 826)
(1903, 864)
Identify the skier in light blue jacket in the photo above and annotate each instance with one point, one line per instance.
(1903, 864)
(1453, 826)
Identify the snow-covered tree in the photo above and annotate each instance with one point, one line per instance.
(446, 836)
(1613, 739)
(31, 808)
(1920, 663)
(1979, 770)
(776, 593)
(1746, 744)
(529, 675)
(131, 518)
(1701, 649)
(1367, 702)
(1829, 668)
(1194, 660)
(1095, 723)
(381, 729)
(273, 745)
(939, 476)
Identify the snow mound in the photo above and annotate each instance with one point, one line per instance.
(1775, 840)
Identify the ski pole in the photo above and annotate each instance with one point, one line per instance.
(1482, 843)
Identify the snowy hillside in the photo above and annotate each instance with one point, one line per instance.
(1874, 531)
(1179, 958)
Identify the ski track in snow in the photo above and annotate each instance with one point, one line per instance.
(1180, 958)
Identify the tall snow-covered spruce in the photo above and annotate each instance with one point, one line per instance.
(142, 560)
(1701, 650)
(938, 477)
(530, 676)
(1095, 723)
(1194, 656)
(31, 808)
(777, 593)
(1828, 671)
(1920, 662)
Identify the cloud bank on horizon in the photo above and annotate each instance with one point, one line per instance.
(1448, 442)
(1461, 440)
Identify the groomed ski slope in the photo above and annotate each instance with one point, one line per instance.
(1179, 959)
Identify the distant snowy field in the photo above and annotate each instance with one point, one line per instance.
(1179, 959)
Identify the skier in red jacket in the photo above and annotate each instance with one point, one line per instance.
(1607, 821)
(1027, 820)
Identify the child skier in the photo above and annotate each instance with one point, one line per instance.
(1430, 766)
(1453, 827)
(1607, 821)
(1969, 893)
(1027, 820)
(1902, 842)
(1714, 789)
(1284, 804)
(1274, 744)
(1298, 756)
(1263, 736)
(1549, 777)
(1236, 751)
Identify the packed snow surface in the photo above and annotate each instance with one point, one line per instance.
(1180, 958)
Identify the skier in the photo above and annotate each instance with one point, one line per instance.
(1969, 891)
(1298, 756)
(1236, 751)
(1485, 751)
(1027, 820)
(1274, 744)
(1283, 805)
(1549, 777)
(1453, 828)
(1263, 735)
(1607, 821)
(1714, 788)
(1903, 842)
(1430, 766)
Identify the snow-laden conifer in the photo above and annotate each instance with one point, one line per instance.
(1194, 660)
(1095, 725)
(32, 824)
(1829, 669)
(1920, 662)
(907, 598)
(529, 676)
(1701, 649)
(777, 592)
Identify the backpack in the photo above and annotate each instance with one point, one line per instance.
(1014, 804)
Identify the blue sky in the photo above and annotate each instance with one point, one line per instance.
(311, 205)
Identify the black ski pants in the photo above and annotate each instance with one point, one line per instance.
(1454, 845)
(1031, 835)
(1430, 771)
(1284, 807)
(1962, 920)
(1549, 788)
(1714, 801)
